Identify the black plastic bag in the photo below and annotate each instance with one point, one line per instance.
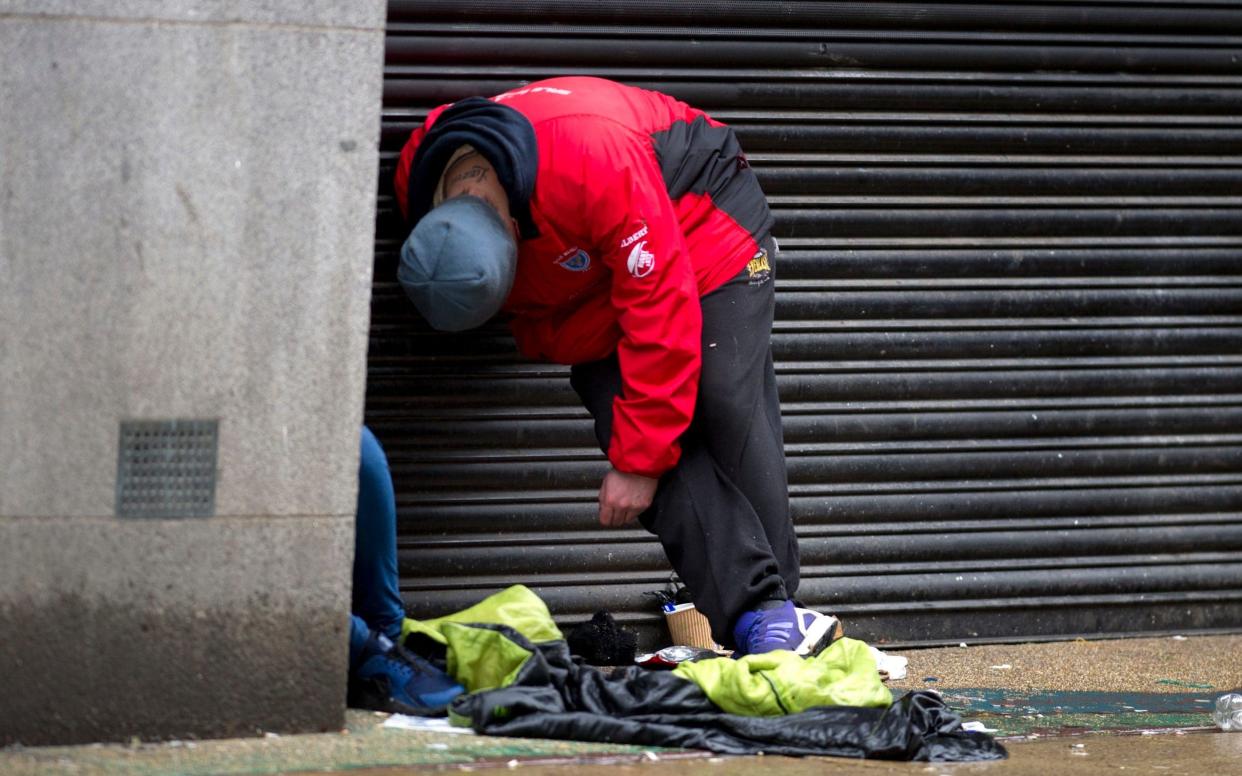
(555, 696)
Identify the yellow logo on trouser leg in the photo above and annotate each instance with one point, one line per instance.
(759, 269)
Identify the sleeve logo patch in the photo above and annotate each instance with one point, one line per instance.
(641, 262)
(640, 234)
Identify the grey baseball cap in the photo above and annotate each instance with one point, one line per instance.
(458, 264)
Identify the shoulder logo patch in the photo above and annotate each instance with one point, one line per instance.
(641, 262)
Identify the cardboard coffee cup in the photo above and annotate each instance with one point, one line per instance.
(688, 627)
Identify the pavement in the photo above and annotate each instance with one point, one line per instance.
(1077, 707)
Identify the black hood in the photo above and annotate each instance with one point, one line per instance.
(504, 136)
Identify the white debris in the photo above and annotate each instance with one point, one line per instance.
(891, 666)
(975, 726)
(425, 724)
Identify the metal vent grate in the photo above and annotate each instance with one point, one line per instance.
(166, 468)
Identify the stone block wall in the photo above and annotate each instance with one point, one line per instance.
(187, 202)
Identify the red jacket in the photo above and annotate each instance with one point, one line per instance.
(643, 204)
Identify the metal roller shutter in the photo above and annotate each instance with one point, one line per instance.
(1009, 334)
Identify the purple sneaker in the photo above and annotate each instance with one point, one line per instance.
(801, 631)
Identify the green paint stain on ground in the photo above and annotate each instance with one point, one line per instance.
(1069, 724)
(1023, 713)
(1076, 702)
(1178, 683)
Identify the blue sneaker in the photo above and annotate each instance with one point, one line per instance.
(785, 626)
(386, 677)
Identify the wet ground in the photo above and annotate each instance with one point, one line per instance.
(1202, 754)
(1138, 706)
(1169, 664)
(1081, 686)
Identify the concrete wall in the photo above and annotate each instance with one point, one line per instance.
(187, 201)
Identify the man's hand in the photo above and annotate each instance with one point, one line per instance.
(622, 497)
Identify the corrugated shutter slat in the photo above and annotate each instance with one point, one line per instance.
(1009, 312)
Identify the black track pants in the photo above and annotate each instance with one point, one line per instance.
(722, 514)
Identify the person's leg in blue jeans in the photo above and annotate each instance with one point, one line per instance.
(377, 598)
(382, 674)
